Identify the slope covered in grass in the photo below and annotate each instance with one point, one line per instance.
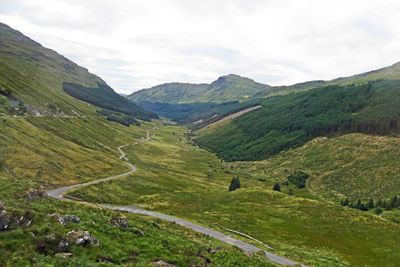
(186, 181)
(289, 121)
(357, 166)
(32, 77)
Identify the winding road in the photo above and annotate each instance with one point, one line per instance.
(60, 194)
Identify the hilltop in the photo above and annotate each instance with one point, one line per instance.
(226, 88)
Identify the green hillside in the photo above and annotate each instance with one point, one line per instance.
(226, 88)
(289, 121)
(32, 78)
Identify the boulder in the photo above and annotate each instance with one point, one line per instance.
(4, 220)
(65, 219)
(81, 238)
(120, 222)
(64, 255)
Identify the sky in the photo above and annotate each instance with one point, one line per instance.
(135, 44)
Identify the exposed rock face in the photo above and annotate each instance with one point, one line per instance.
(162, 263)
(14, 219)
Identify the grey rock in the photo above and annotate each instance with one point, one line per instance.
(120, 222)
(65, 219)
(162, 263)
(4, 220)
(64, 255)
(81, 238)
(35, 194)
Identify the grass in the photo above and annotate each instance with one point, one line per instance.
(46, 151)
(353, 165)
(183, 180)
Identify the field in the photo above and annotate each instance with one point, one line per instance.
(180, 179)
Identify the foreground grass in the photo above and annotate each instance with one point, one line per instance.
(186, 181)
(48, 152)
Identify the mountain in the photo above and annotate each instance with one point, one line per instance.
(33, 80)
(289, 121)
(226, 88)
(387, 73)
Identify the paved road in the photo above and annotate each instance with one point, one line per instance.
(59, 194)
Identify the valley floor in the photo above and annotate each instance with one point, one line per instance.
(182, 180)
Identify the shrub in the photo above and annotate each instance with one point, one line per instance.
(235, 184)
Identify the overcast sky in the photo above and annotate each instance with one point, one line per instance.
(134, 44)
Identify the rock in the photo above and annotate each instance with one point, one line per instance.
(162, 263)
(50, 238)
(63, 246)
(120, 222)
(35, 194)
(4, 220)
(213, 250)
(137, 231)
(63, 220)
(24, 221)
(81, 238)
(64, 255)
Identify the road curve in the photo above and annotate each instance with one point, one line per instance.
(59, 194)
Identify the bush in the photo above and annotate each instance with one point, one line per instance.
(235, 184)
(277, 187)
(299, 179)
(378, 211)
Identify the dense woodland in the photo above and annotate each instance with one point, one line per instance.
(291, 120)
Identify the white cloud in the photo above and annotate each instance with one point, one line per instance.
(134, 44)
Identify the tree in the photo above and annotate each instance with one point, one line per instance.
(235, 184)
(277, 187)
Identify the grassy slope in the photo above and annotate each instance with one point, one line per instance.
(353, 165)
(35, 76)
(291, 120)
(224, 89)
(186, 181)
(47, 152)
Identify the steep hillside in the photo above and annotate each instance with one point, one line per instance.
(32, 78)
(226, 88)
(289, 121)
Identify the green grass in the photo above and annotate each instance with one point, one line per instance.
(353, 165)
(186, 181)
(47, 151)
